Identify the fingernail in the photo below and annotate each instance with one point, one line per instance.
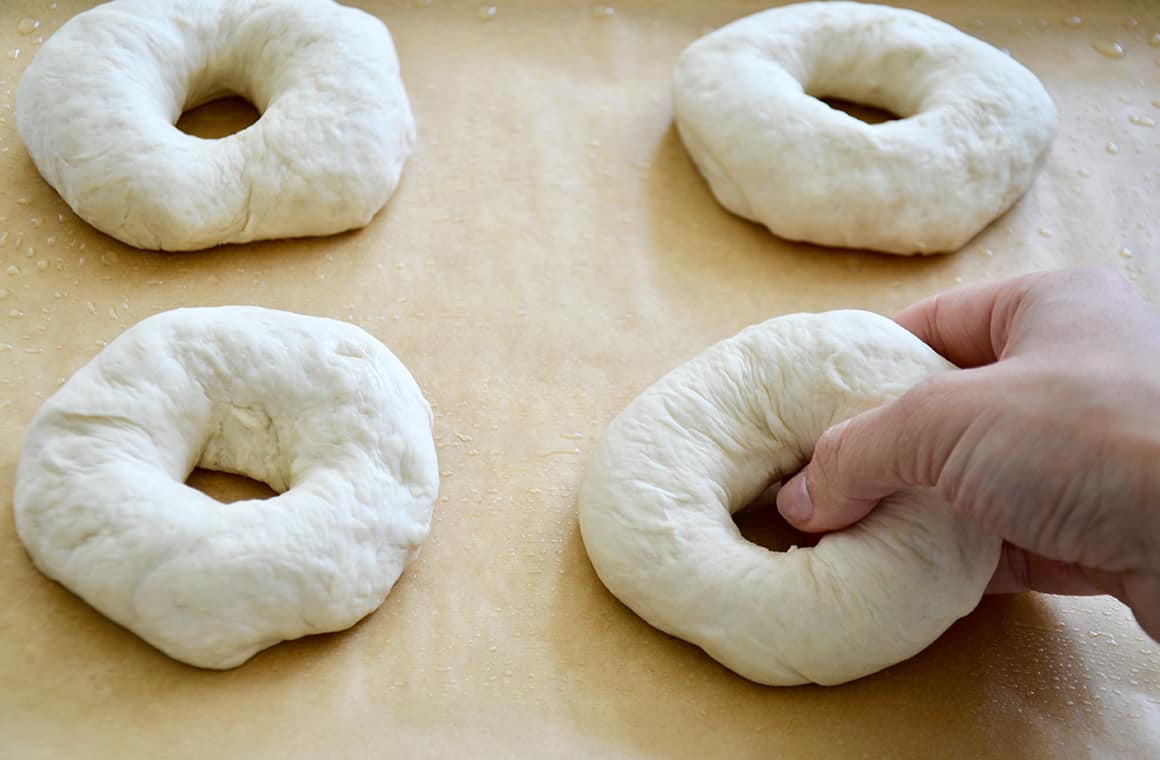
(793, 500)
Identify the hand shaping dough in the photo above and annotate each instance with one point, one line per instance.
(706, 439)
(317, 409)
(976, 127)
(97, 106)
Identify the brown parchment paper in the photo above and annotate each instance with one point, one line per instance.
(551, 252)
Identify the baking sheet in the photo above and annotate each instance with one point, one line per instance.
(550, 252)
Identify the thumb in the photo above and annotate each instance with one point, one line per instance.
(864, 459)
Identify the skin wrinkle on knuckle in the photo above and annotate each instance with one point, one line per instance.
(1015, 566)
(1107, 483)
(828, 479)
(939, 324)
(925, 315)
(1003, 327)
(1047, 531)
(1123, 542)
(968, 477)
(1063, 525)
(919, 461)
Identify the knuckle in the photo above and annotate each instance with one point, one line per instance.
(1018, 569)
(924, 437)
(828, 458)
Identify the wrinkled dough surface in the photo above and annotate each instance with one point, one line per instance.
(318, 409)
(657, 496)
(977, 126)
(97, 107)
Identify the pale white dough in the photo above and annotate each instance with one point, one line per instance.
(321, 411)
(977, 126)
(704, 441)
(97, 105)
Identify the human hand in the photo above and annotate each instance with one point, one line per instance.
(1050, 437)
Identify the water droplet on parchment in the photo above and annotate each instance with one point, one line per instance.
(1109, 48)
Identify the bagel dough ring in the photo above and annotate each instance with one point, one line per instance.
(97, 107)
(708, 438)
(318, 409)
(976, 129)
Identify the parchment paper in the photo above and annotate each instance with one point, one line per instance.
(551, 252)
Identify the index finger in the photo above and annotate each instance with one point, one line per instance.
(969, 326)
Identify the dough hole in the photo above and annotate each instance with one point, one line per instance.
(869, 114)
(760, 523)
(218, 118)
(228, 488)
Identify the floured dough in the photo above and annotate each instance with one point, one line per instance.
(318, 409)
(977, 126)
(706, 439)
(97, 105)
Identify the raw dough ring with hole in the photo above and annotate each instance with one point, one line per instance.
(977, 126)
(318, 409)
(708, 438)
(97, 107)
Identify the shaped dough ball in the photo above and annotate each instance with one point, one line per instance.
(976, 126)
(317, 409)
(97, 105)
(707, 439)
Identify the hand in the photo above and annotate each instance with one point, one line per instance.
(1049, 437)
